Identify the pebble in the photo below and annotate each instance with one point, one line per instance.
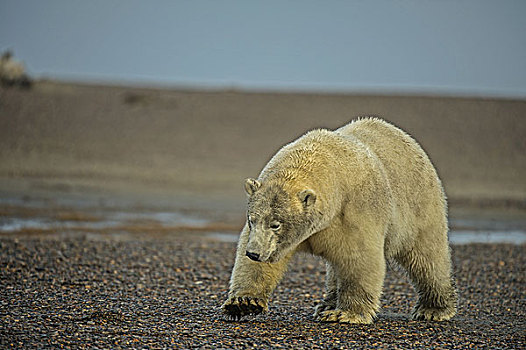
(166, 293)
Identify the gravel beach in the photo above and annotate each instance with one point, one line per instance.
(99, 292)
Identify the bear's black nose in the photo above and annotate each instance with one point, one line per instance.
(253, 256)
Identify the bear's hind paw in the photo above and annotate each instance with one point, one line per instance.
(237, 307)
(342, 316)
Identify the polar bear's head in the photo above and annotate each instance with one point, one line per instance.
(278, 220)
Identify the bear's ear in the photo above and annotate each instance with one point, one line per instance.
(251, 186)
(307, 197)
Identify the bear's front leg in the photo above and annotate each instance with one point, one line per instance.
(331, 292)
(358, 291)
(251, 282)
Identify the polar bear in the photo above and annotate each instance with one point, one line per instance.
(358, 196)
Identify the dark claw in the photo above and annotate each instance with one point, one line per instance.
(242, 308)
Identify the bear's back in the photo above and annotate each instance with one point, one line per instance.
(402, 157)
(412, 178)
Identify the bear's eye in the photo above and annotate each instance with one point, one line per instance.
(275, 225)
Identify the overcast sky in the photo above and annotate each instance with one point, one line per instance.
(452, 46)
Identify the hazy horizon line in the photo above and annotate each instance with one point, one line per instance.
(285, 87)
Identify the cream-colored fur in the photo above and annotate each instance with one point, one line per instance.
(356, 196)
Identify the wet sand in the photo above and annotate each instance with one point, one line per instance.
(198, 146)
(82, 292)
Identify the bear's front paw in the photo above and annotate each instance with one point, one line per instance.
(342, 316)
(323, 306)
(237, 307)
(433, 314)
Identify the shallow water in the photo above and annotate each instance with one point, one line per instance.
(455, 237)
(466, 237)
(122, 220)
(18, 216)
(109, 221)
(40, 216)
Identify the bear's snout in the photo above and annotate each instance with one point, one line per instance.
(253, 256)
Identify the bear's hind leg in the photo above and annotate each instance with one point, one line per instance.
(430, 271)
(331, 292)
